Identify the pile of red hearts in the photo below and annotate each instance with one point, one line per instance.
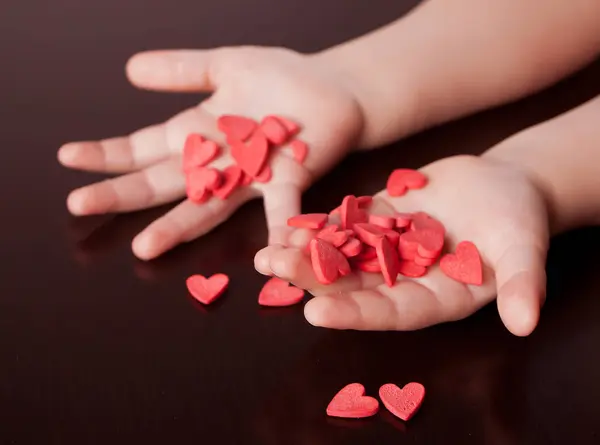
(250, 144)
(397, 244)
(351, 402)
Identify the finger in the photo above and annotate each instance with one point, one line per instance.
(521, 281)
(369, 309)
(118, 155)
(409, 304)
(156, 185)
(177, 70)
(281, 203)
(293, 265)
(184, 223)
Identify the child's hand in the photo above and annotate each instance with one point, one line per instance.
(479, 200)
(247, 81)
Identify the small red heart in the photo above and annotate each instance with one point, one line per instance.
(232, 176)
(370, 234)
(236, 127)
(387, 222)
(422, 261)
(352, 403)
(403, 220)
(402, 403)
(464, 265)
(371, 265)
(252, 157)
(198, 152)
(278, 293)
(291, 127)
(315, 221)
(411, 269)
(328, 263)
(402, 179)
(246, 179)
(207, 290)
(333, 236)
(426, 243)
(274, 130)
(299, 150)
(204, 177)
(387, 256)
(352, 247)
(423, 221)
(265, 175)
(351, 213)
(367, 253)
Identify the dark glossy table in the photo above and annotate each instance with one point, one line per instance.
(99, 348)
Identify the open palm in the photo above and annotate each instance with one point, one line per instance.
(491, 204)
(247, 81)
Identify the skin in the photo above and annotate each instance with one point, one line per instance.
(363, 93)
(508, 202)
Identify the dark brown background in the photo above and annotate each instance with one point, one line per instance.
(96, 347)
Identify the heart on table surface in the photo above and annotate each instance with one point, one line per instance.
(352, 403)
(279, 293)
(402, 402)
(207, 290)
(464, 265)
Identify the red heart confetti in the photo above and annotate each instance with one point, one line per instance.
(333, 236)
(352, 403)
(232, 176)
(402, 403)
(387, 222)
(251, 157)
(198, 152)
(387, 256)
(403, 179)
(236, 127)
(423, 221)
(308, 221)
(352, 247)
(426, 243)
(328, 263)
(207, 290)
(291, 127)
(274, 130)
(411, 269)
(299, 150)
(351, 213)
(279, 293)
(265, 175)
(371, 265)
(464, 265)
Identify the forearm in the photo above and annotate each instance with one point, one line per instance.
(562, 156)
(447, 59)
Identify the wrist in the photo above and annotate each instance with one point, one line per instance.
(388, 108)
(569, 202)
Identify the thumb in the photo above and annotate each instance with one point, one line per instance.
(174, 70)
(281, 203)
(521, 287)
